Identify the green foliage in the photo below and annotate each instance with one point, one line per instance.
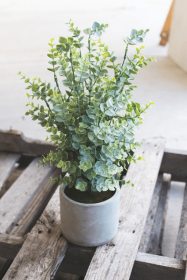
(94, 120)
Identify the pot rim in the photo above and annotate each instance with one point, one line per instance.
(62, 187)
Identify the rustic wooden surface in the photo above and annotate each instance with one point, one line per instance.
(175, 162)
(181, 245)
(31, 214)
(43, 249)
(152, 267)
(36, 206)
(116, 262)
(7, 162)
(10, 245)
(21, 193)
(153, 245)
(144, 243)
(146, 266)
(15, 141)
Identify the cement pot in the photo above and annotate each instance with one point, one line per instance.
(89, 225)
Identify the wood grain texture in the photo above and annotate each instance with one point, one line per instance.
(181, 245)
(31, 214)
(36, 206)
(116, 262)
(175, 162)
(153, 245)
(10, 245)
(40, 254)
(152, 267)
(146, 266)
(7, 162)
(15, 141)
(16, 199)
(144, 243)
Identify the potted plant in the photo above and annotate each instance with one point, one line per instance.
(92, 123)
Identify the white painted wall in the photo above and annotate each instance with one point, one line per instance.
(178, 35)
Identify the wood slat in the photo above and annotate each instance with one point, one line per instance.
(16, 199)
(116, 262)
(146, 266)
(31, 214)
(15, 141)
(144, 243)
(153, 245)
(7, 162)
(10, 245)
(44, 248)
(181, 245)
(36, 206)
(167, 25)
(175, 162)
(153, 267)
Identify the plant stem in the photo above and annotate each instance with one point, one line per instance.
(89, 39)
(125, 55)
(57, 85)
(71, 60)
(47, 105)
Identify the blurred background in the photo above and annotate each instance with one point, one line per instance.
(27, 26)
(25, 30)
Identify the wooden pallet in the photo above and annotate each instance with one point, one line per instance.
(32, 245)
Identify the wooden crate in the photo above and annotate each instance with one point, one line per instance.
(32, 245)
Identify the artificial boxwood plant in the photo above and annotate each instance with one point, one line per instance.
(93, 121)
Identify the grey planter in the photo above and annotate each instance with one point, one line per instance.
(89, 224)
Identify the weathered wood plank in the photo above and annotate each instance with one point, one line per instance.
(144, 243)
(181, 245)
(40, 254)
(7, 162)
(10, 245)
(146, 266)
(116, 262)
(153, 245)
(31, 214)
(15, 141)
(15, 200)
(153, 267)
(36, 206)
(175, 162)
